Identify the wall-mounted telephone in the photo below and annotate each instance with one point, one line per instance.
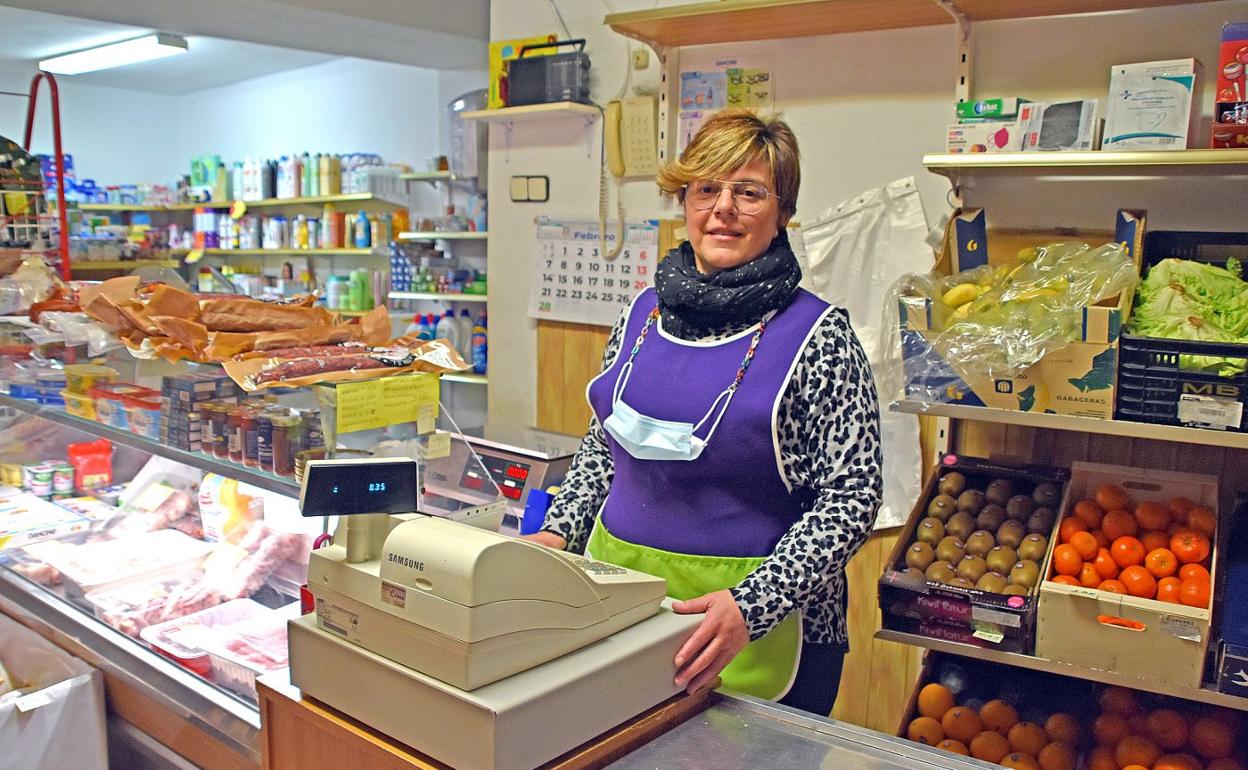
(631, 136)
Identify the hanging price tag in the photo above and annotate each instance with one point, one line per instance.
(238, 209)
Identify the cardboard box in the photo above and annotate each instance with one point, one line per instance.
(990, 108)
(950, 612)
(1150, 105)
(990, 136)
(1233, 670)
(1230, 102)
(1078, 380)
(1159, 641)
(503, 51)
(1057, 126)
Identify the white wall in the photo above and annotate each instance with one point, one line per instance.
(865, 107)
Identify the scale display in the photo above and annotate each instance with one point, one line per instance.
(510, 476)
(348, 487)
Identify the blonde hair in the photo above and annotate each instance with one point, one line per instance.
(734, 138)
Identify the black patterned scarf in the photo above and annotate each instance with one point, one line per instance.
(691, 300)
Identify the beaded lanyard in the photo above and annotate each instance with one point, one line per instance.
(745, 363)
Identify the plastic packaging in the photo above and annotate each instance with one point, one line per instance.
(181, 639)
(143, 413)
(110, 404)
(80, 378)
(145, 556)
(480, 345)
(78, 404)
(246, 650)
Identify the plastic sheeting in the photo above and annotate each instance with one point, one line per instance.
(853, 254)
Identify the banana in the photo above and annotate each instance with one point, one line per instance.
(960, 295)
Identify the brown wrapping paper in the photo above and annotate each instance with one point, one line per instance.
(430, 356)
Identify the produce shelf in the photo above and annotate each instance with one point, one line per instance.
(434, 235)
(1228, 439)
(121, 264)
(313, 200)
(253, 476)
(1201, 695)
(530, 112)
(438, 297)
(1171, 163)
(468, 377)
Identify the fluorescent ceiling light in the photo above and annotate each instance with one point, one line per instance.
(115, 55)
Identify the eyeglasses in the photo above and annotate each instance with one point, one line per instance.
(748, 197)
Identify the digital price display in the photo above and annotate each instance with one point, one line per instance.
(517, 472)
(348, 487)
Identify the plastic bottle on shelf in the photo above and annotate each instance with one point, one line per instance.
(464, 323)
(221, 187)
(236, 181)
(314, 175)
(363, 231)
(268, 180)
(336, 290)
(447, 329)
(284, 170)
(305, 176)
(331, 228)
(480, 344)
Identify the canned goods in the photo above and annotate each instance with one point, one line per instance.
(62, 478)
(41, 481)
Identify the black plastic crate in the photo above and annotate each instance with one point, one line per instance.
(1151, 385)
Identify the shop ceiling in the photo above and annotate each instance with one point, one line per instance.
(236, 40)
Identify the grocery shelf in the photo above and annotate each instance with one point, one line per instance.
(280, 252)
(1170, 163)
(1228, 439)
(428, 176)
(728, 21)
(438, 297)
(312, 200)
(253, 476)
(447, 235)
(121, 264)
(1021, 660)
(469, 377)
(530, 112)
(112, 207)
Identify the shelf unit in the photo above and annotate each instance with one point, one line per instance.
(449, 235)
(465, 377)
(253, 476)
(285, 252)
(429, 176)
(435, 296)
(314, 200)
(530, 112)
(122, 264)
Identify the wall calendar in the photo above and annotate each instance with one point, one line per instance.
(573, 281)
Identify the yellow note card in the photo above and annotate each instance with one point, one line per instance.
(439, 445)
(387, 401)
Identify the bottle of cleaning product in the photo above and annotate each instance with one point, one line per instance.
(480, 344)
(268, 182)
(464, 323)
(425, 326)
(305, 177)
(296, 176)
(314, 175)
(331, 228)
(236, 181)
(447, 329)
(221, 187)
(363, 231)
(283, 177)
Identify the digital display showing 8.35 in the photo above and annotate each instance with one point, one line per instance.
(347, 488)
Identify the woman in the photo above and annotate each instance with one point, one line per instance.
(734, 448)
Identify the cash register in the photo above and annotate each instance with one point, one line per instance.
(469, 621)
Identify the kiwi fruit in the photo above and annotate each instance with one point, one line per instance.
(972, 568)
(999, 491)
(971, 501)
(1011, 534)
(1014, 589)
(940, 572)
(951, 484)
(1041, 521)
(1001, 558)
(951, 549)
(913, 573)
(1019, 507)
(1025, 573)
(961, 582)
(991, 581)
(942, 507)
(1046, 494)
(990, 518)
(980, 543)
(920, 556)
(930, 531)
(960, 525)
(1033, 548)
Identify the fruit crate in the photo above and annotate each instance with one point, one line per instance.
(1160, 641)
(914, 601)
(1151, 385)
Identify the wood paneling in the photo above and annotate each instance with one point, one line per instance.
(568, 357)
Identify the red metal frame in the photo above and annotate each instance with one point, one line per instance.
(58, 157)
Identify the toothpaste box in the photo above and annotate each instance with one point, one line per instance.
(1150, 105)
(993, 136)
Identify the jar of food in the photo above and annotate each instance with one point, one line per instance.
(236, 430)
(285, 429)
(216, 424)
(310, 429)
(264, 436)
(251, 435)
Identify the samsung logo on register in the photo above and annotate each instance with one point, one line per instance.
(407, 561)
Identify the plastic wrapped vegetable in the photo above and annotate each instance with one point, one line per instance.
(1185, 300)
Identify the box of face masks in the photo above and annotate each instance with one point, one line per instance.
(1150, 105)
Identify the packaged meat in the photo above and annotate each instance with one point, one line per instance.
(145, 556)
(182, 639)
(245, 650)
(131, 607)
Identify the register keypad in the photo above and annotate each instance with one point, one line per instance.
(595, 567)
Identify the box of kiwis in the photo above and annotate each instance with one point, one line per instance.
(968, 564)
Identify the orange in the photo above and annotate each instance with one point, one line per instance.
(1178, 762)
(1140, 582)
(999, 716)
(1194, 593)
(1137, 722)
(1089, 513)
(962, 724)
(954, 747)
(1212, 738)
(934, 700)
(1111, 496)
(1105, 564)
(1161, 562)
(1194, 572)
(1065, 580)
(1069, 526)
(1057, 756)
(1136, 767)
(1136, 750)
(1179, 508)
(1113, 586)
(1109, 728)
(1063, 728)
(989, 746)
(1201, 519)
(925, 730)
(1088, 576)
(1027, 737)
(1085, 544)
(1020, 761)
(1167, 728)
(1102, 540)
(1225, 763)
(1168, 590)
(1190, 546)
(1127, 551)
(1158, 538)
(1119, 524)
(1119, 700)
(1102, 758)
(1066, 560)
(1150, 515)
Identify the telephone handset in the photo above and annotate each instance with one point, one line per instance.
(630, 148)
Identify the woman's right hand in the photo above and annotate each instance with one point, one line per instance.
(548, 539)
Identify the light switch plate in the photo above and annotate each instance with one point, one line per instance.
(519, 188)
(539, 188)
